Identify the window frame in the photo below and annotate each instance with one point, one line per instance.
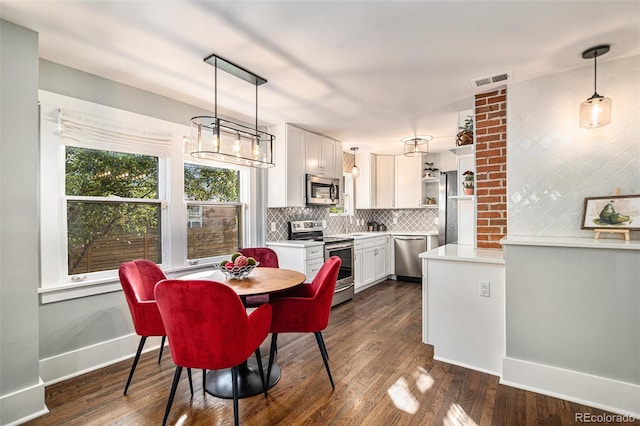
(55, 284)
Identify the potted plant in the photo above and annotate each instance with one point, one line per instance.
(468, 182)
(430, 171)
(465, 135)
(431, 200)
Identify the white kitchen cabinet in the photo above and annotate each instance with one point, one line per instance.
(304, 257)
(382, 262)
(312, 156)
(385, 181)
(357, 265)
(323, 156)
(365, 183)
(408, 176)
(286, 181)
(374, 261)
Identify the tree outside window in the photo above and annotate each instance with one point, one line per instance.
(214, 211)
(113, 209)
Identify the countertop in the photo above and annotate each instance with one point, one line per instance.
(295, 243)
(372, 234)
(608, 243)
(355, 236)
(464, 253)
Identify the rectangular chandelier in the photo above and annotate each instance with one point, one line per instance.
(213, 138)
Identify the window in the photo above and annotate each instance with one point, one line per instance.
(113, 209)
(214, 212)
(117, 186)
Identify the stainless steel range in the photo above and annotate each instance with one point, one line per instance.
(333, 246)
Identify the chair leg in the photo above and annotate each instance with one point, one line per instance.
(272, 352)
(261, 370)
(172, 394)
(324, 347)
(135, 362)
(161, 348)
(234, 386)
(190, 381)
(325, 358)
(204, 380)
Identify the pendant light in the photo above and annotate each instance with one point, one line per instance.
(416, 146)
(213, 138)
(355, 171)
(595, 111)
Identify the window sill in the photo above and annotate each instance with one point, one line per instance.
(95, 287)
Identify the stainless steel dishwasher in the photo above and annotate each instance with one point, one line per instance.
(406, 249)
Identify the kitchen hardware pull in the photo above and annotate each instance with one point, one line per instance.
(409, 238)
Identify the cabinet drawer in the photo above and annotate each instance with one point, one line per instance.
(312, 267)
(316, 252)
(369, 242)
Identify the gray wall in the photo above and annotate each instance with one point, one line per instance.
(18, 222)
(575, 308)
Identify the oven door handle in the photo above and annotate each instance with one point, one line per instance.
(337, 246)
(345, 288)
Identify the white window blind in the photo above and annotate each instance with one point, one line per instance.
(94, 132)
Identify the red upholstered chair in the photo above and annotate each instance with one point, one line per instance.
(306, 309)
(209, 328)
(138, 279)
(267, 259)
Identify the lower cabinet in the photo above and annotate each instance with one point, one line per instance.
(372, 262)
(307, 260)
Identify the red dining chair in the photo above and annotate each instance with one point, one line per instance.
(305, 309)
(138, 279)
(267, 259)
(209, 328)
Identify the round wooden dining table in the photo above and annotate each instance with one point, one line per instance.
(260, 281)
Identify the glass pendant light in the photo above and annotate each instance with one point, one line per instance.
(595, 111)
(355, 171)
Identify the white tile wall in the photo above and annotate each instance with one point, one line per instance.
(553, 164)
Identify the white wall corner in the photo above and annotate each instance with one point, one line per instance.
(23, 405)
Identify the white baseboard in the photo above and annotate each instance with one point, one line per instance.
(71, 364)
(23, 405)
(469, 366)
(595, 391)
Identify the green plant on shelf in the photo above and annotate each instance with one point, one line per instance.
(468, 182)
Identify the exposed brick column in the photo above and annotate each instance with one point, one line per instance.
(491, 168)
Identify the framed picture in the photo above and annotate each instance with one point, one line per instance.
(618, 212)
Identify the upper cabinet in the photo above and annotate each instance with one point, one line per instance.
(385, 181)
(286, 186)
(408, 182)
(298, 151)
(366, 182)
(389, 182)
(323, 156)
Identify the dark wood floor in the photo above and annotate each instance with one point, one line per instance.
(384, 375)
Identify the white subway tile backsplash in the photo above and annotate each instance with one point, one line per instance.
(553, 164)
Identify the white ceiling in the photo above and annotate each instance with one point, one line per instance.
(367, 73)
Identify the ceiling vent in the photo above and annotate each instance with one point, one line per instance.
(492, 79)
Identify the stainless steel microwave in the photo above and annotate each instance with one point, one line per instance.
(323, 191)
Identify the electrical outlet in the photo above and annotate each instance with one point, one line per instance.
(273, 227)
(395, 220)
(485, 288)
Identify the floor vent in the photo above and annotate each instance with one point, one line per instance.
(489, 80)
